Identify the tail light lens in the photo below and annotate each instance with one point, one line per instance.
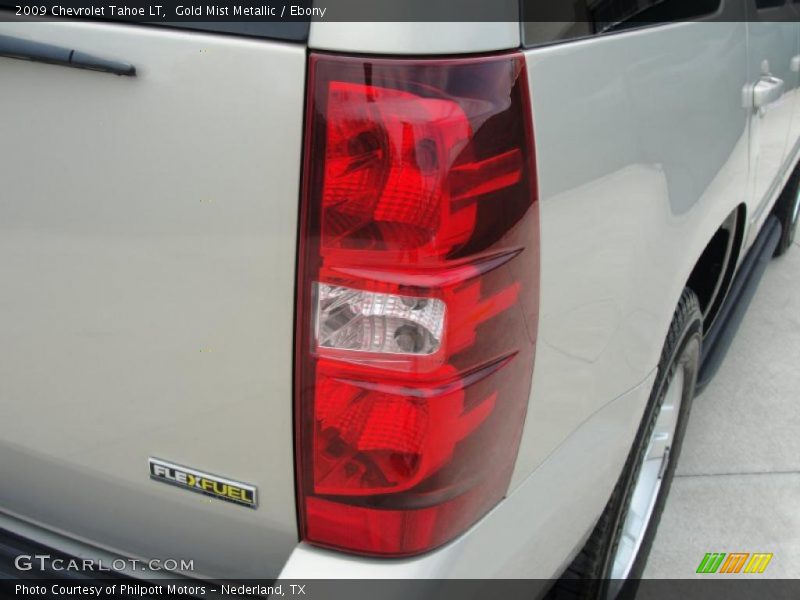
(418, 297)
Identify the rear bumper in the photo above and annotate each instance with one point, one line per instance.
(23, 558)
(29, 552)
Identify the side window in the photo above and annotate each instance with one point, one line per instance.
(546, 22)
(762, 4)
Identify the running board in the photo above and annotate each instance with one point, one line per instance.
(743, 288)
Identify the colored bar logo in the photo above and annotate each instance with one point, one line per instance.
(733, 563)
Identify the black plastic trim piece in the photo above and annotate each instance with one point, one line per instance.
(718, 339)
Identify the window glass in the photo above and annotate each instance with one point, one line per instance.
(762, 4)
(554, 21)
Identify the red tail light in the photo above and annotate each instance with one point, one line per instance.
(418, 297)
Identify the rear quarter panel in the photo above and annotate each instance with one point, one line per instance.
(641, 144)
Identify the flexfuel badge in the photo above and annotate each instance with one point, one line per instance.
(203, 483)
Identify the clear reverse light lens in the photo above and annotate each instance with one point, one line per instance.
(362, 321)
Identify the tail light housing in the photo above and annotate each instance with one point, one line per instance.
(417, 297)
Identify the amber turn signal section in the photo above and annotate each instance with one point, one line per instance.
(417, 297)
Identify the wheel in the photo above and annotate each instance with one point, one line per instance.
(618, 547)
(787, 210)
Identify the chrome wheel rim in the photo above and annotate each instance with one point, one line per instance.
(795, 214)
(648, 483)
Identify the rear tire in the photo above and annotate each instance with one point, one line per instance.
(620, 542)
(787, 209)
